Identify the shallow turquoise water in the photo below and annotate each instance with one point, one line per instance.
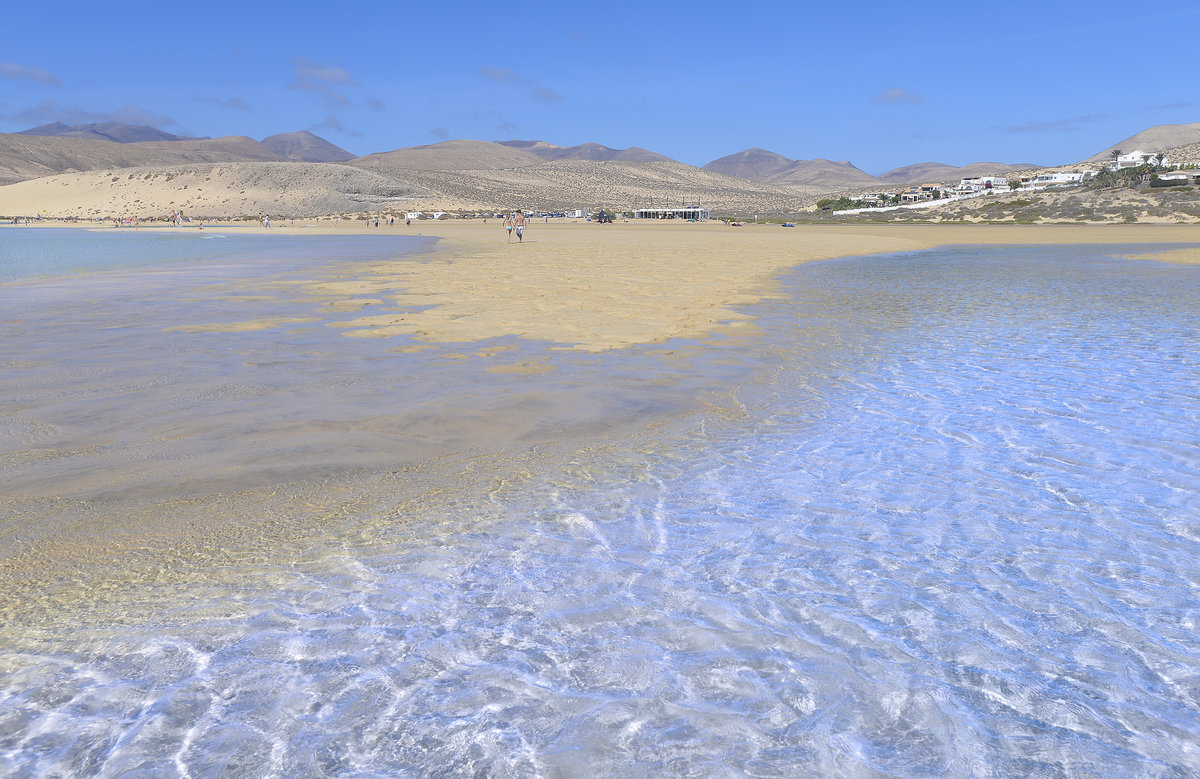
(941, 517)
(34, 252)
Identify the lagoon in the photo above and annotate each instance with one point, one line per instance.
(938, 514)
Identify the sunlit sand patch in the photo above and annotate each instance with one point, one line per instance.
(1189, 256)
(241, 327)
(522, 368)
(353, 304)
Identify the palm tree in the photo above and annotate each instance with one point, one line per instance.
(1158, 159)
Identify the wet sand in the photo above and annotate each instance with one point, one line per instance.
(190, 421)
(596, 287)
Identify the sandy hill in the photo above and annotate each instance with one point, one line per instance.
(303, 146)
(823, 173)
(587, 151)
(757, 164)
(30, 156)
(771, 168)
(566, 183)
(105, 131)
(209, 190)
(925, 172)
(1155, 139)
(1188, 154)
(230, 148)
(370, 184)
(450, 155)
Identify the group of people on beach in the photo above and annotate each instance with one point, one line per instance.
(515, 223)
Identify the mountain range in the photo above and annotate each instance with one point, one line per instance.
(767, 166)
(754, 164)
(300, 146)
(95, 170)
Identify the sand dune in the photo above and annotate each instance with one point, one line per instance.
(563, 184)
(372, 185)
(25, 157)
(209, 190)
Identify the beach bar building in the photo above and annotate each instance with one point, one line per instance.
(695, 212)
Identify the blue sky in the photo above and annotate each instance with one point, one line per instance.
(879, 84)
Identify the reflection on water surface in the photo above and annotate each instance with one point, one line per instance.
(940, 517)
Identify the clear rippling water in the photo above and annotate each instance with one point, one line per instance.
(950, 527)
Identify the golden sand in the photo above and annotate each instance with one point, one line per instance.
(596, 287)
(1189, 256)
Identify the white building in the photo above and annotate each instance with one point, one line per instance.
(1049, 179)
(697, 213)
(1135, 158)
(976, 183)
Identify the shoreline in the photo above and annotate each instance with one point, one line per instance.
(594, 287)
(605, 288)
(598, 287)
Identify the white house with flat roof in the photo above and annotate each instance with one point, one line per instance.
(698, 213)
(1135, 158)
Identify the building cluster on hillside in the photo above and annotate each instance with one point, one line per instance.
(920, 195)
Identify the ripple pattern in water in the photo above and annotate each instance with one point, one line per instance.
(953, 529)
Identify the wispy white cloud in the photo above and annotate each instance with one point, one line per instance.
(320, 79)
(332, 123)
(1068, 124)
(13, 71)
(508, 77)
(897, 95)
(52, 111)
(502, 75)
(233, 103)
(316, 72)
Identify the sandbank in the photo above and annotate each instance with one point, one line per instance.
(596, 287)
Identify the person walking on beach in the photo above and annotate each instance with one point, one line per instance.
(509, 224)
(519, 224)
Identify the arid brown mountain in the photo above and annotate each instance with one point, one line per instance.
(587, 151)
(232, 147)
(924, 172)
(768, 167)
(1154, 139)
(566, 184)
(450, 155)
(303, 146)
(105, 131)
(823, 173)
(31, 156)
(755, 164)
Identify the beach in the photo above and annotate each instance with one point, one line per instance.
(596, 287)
(471, 301)
(626, 496)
